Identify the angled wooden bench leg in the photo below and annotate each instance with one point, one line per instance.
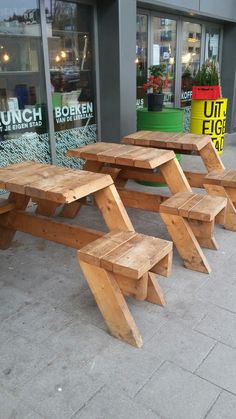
(72, 209)
(186, 243)
(154, 292)
(230, 211)
(111, 304)
(204, 232)
(6, 234)
(46, 208)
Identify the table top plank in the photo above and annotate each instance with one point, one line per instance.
(11, 174)
(57, 184)
(91, 151)
(171, 140)
(123, 154)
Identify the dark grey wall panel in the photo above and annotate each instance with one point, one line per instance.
(228, 77)
(181, 4)
(223, 9)
(117, 43)
(127, 15)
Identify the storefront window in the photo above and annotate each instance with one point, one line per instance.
(141, 56)
(164, 52)
(23, 122)
(69, 26)
(212, 43)
(191, 52)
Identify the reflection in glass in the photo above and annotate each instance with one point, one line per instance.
(23, 123)
(212, 44)
(190, 59)
(69, 28)
(164, 52)
(141, 56)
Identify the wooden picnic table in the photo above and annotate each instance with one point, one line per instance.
(217, 180)
(113, 263)
(189, 228)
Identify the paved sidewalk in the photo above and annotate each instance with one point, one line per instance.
(58, 362)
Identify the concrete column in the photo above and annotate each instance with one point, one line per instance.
(117, 44)
(228, 74)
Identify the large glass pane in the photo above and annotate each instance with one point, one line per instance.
(212, 43)
(191, 50)
(69, 26)
(23, 123)
(141, 56)
(191, 53)
(164, 52)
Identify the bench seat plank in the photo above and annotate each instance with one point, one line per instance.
(129, 254)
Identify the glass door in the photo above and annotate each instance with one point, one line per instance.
(190, 59)
(141, 56)
(163, 51)
(71, 61)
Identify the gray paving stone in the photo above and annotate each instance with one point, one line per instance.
(82, 306)
(11, 408)
(82, 341)
(114, 403)
(175, 342)
(20, 360)
(12, 301)
(183, 306)
(37, 321)
(175, 393)
(124, 365)
(219, 294)
(59, 390)
(219, 324)
(224, 408)
(220, 367)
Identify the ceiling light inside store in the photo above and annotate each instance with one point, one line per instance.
(6, 58)
(63, 54)
(186, 58)
(58, 58)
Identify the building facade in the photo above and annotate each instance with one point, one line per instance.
(71, 72)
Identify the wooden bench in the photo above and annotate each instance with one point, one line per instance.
(125, 263)
(223, 183)
(217, 180)
(200, 212)
(6, 206)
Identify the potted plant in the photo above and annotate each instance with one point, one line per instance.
(206, 82)
(154, 88)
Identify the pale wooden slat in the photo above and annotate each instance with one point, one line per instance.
(207, 208)
(171, 205)
(90, 151)
(110, 155)
(145, 158)
(136, 256)
(68, 187)
(187, 206)
(12, 174)
(30, 175)
(94, 252)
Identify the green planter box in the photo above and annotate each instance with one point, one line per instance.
(168, 120)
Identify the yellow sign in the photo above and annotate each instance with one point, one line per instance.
(209, 117)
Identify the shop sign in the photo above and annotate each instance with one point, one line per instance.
(186, 95)
(15, 120)
(73, 113)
